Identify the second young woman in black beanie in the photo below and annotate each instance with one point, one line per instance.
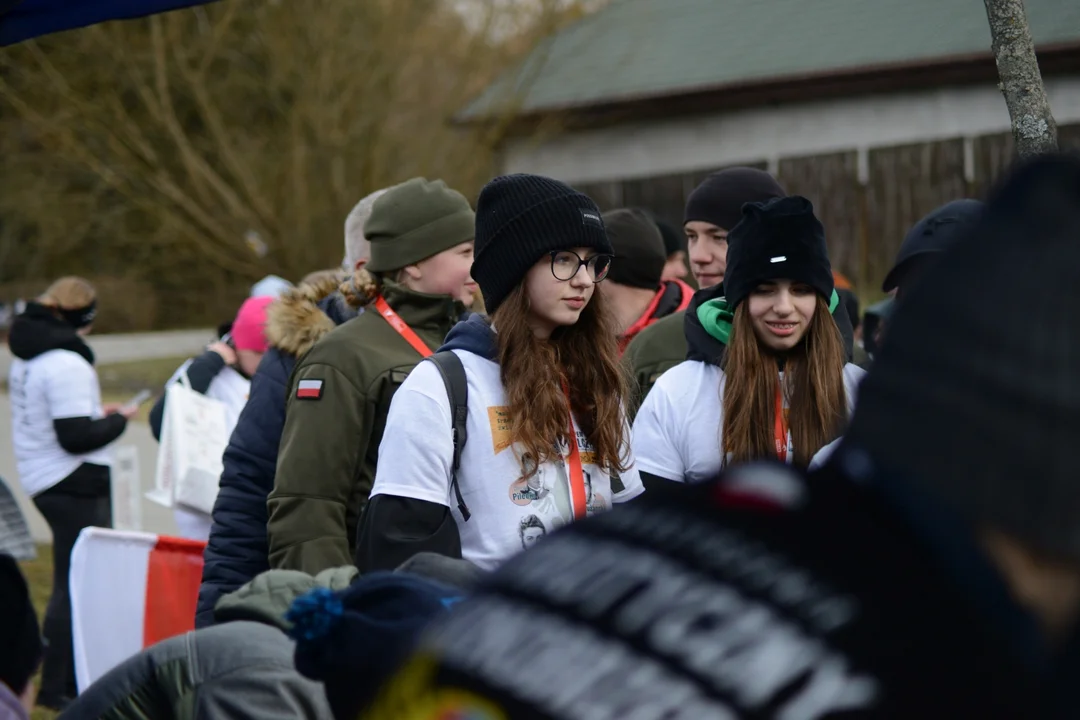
(783, 389)
(546, 423)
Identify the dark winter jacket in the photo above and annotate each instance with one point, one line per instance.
(237, 550)
(765, 594)
(680, 337)
(334, 424)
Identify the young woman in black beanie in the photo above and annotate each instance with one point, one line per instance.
(546, 419)
(783, 388)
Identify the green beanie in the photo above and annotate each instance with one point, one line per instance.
(415, 220)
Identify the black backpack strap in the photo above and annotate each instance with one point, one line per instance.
(457, 389)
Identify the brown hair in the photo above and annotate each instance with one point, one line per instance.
(586, 355)
(68, 293)
(813, 385)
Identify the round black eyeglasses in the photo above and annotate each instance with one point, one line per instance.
(566, 263)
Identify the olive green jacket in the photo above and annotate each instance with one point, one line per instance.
(655, 350)
(330, 444)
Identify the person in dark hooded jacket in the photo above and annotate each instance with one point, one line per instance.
(61, 434)
(238, 549)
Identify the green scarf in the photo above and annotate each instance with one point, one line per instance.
(716, 316)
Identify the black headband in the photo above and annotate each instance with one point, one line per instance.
(79, 317)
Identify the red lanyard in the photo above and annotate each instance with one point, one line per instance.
(781, 426)
(402, 327)
(577, 477)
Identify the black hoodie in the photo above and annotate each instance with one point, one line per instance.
(36, 332)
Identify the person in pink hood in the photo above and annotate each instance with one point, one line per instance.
(224, 373)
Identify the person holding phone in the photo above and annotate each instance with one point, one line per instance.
(223, 373)
(62, 432)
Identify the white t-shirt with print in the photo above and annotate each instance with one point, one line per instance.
(54, 385)
(507, 514)
(677, 430)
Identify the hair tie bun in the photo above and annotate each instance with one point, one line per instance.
(314, 614)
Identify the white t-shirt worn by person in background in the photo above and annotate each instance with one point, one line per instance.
(55, 385)
(677, 430)
(507, 514)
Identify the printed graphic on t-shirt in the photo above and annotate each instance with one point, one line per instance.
(593, 503)
(531, 528)
(499, 418)
(526, 491)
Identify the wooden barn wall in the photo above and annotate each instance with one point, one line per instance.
(864, 223)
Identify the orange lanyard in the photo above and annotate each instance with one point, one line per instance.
(577, 477)
(402, 327)
(781, 426)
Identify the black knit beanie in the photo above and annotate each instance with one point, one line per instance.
(975, 393)
(521, 218)
(720, 197)
(781, 238)
(19, 634)
(674, 238)
(639, 249)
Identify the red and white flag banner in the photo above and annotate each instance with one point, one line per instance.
(128, 591)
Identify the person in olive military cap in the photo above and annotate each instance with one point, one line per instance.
(418, 284)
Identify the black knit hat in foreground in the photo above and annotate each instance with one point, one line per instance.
(521, 218)
(975, 394)
(781, 238)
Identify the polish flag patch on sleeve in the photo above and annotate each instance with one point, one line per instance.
(309, 390)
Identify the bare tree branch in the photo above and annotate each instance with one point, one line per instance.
(1033, 125)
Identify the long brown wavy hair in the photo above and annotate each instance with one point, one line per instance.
(586, 356)
(813, 386)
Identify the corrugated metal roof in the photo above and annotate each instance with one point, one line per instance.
(642, 48)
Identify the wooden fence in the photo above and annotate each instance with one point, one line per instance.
(865, 222)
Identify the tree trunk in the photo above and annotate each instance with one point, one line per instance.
(1033, 126)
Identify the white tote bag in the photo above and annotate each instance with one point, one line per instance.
(194, 435)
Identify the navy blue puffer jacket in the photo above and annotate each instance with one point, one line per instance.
(237, 550)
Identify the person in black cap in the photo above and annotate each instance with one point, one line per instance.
(712, 210)
(930, 570)
(922, 245)
(635, 287)
(546, 394)
(782, 388)
(21, 642)
(675, 249)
